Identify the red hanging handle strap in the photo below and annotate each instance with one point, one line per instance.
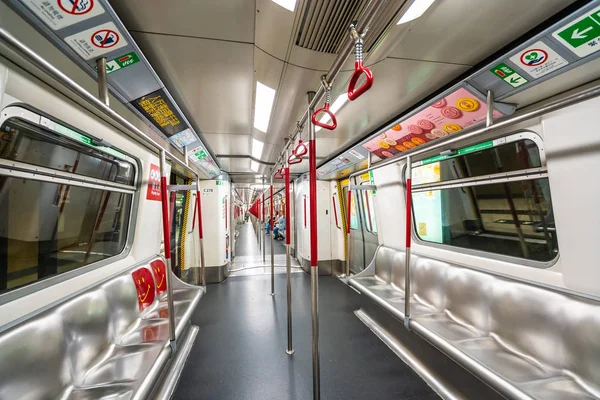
(359, 69)
(325, 109)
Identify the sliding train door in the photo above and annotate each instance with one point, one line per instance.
(363, 240)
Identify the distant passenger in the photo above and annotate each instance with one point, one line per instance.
(280, 228)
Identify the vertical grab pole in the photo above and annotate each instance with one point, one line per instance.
(102, 80)
(200, 233)
(407, 292)
(272, 229)
(263, 231)
(288, 259)
(164, 196)
(348, 204)
(314, 260)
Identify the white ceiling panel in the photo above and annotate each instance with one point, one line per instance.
(216, 19)
(267, 70)
(467, 31)
(229, 143)
(214, 78)
(272, 18)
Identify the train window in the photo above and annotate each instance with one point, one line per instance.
(48, 229)
(510, 216)
(509, 157)
(369, 201)
(24, 142)
(50, 223)
(353, 212)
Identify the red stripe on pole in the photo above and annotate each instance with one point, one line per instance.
(348, 211)
(195, 210)
(165, 215)
(408, 212)
(334, 210)
(199, 201)
(271, 207)
(287, 206)
(312, 168)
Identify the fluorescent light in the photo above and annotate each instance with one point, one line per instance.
(254, 166)
(257, 148)
(287, 4)
(417, 9)
(263, 106)
(334, 108)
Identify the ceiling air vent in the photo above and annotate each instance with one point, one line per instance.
(324, 24)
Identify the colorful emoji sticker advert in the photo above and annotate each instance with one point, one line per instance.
(159, 270)
(144, 285)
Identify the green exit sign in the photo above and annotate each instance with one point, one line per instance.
(581, 36)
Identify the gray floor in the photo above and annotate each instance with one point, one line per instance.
(240, 349)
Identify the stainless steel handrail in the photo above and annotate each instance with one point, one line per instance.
(120, 123)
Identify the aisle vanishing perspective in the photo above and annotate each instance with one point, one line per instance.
(241, 351)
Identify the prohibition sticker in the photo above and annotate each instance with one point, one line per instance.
(153, 192)
(96, 41)
(538, 60)
(58, 14)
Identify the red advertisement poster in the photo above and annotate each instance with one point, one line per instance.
(154, 183)
(459, 110)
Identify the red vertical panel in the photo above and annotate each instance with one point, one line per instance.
(408, 211)
(165, 213)
(348, 212)
(312, 168)
(226, 212)
(271, 207)
(287, 206)
(305, 211)
(334, 211)
(199, 201)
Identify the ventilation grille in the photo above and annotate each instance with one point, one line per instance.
(324, 24)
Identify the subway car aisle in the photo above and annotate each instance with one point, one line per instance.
(240, 351)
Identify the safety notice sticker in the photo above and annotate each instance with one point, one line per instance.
(538, 60)
(96, 41)
(581, 36)
(153, 192)
(58, 14)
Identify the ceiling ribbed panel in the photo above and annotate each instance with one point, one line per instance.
(324, 25)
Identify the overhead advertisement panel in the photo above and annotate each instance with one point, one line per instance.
(459, 110)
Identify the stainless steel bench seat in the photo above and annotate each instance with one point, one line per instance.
(96, 345)
(526, 341)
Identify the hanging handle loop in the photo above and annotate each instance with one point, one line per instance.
(300, 149)
(278, 174)
(294, 159)
(325, 108)
(359, 68)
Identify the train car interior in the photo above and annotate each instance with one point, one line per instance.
(299, 199)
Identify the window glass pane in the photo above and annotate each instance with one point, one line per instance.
(24, 142)
(48, 229)
(513, 156)
(353, 211)
(371, 210)
(513, 218)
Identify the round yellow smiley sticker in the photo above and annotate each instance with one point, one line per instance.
(467, 104)
(452, 128)
(383, 145)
